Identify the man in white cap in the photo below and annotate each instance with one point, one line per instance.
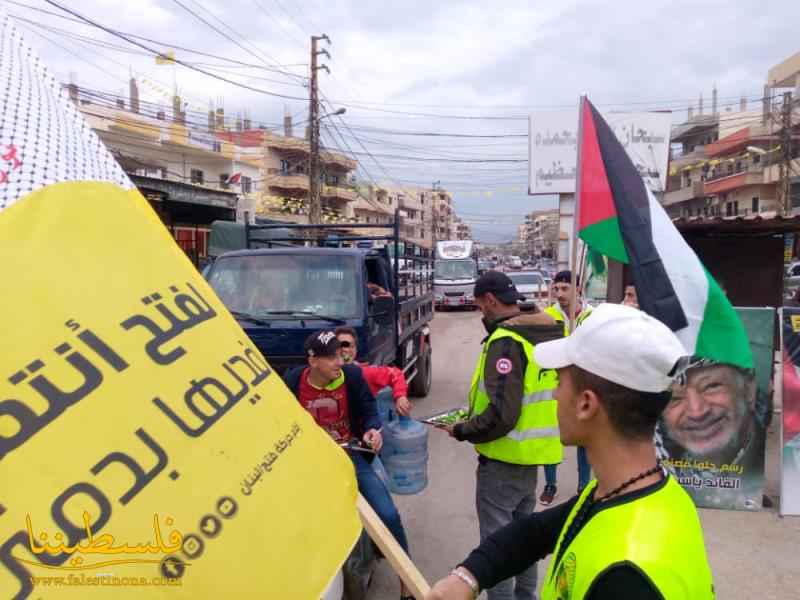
(633, 532)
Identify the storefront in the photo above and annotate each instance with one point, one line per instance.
(188, 211)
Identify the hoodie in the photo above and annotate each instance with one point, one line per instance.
(506, 385)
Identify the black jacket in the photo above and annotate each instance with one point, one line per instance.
(360, 401)
(506, 387)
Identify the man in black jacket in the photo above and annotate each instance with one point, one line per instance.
(339, 399)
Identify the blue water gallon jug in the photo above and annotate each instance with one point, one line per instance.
(405, 455)
(386, 409)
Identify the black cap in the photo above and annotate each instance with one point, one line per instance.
(498, 284)
(321, 343)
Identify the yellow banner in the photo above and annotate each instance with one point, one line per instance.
(147, 450)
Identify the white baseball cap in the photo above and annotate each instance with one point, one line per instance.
(621, 344)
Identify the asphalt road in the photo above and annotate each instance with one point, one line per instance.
(752, 554)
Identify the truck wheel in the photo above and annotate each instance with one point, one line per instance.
(421, 384)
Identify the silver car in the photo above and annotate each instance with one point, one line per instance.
(532, 285)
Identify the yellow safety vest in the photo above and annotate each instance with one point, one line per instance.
(555, 312)
(659, 534)
(535, 438)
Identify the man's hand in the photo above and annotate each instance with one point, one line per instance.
(374, 440)
(450, 588)
(403, 406)
(450, 429)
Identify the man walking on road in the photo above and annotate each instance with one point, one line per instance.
(560, 311)
(634, 533)
(512, 417)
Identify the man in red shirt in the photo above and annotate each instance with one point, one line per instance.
(378, 377)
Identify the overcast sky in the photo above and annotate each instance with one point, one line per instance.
(446, 59)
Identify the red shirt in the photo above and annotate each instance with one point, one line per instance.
(327, 405)
(379, 377)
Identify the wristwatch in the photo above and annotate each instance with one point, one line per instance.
(467, 578)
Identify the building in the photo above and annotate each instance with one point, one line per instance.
(522, 234)
(462, 230)
(543, 234)
(285, 175)
(190, 177)
(443, 214)
(730, 163)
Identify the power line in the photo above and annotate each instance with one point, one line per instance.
(82, 21)
(223, 34)
(175, 60)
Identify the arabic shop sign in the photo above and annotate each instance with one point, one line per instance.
(553, 148)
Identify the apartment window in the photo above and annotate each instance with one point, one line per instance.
(247, 184)
(756, 159)
(755, 205)
(705, 211)
(223, 181)
(196, 176)
(735, 207)
(333, 180)
(286, 168)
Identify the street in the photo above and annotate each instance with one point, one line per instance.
(751, 554)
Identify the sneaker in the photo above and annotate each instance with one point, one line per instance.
(548, 494)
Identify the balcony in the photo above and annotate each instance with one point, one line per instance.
(749, 175)
(695, 190)
(280, 142)
(680, 160)
(337, 192)
(279, 179)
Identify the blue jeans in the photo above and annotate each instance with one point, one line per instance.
(378, 497)
(550, 475)
(584, 470)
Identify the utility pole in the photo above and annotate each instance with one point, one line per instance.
(785, 167)
(434, 214)
(314, 202)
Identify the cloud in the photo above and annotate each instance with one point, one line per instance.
(417, 56)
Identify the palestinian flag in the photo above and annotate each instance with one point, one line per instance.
(618, 216)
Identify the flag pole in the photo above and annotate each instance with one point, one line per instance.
(575, 213)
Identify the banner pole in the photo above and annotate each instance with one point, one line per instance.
(398, 559)
(575, 214)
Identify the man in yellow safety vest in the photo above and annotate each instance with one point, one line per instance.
(560, 311)
(512, 419)
(633, 532)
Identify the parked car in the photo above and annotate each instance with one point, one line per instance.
(532, 285)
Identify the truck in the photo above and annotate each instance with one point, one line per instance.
(282, 289)
(455, 273)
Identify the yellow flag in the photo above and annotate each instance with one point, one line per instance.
(145, 443)
(166, 58)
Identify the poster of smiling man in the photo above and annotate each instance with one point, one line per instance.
(712, 434)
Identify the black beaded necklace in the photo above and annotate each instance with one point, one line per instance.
(583, 511)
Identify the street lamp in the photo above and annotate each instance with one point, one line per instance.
(335, 113)
(757, 150)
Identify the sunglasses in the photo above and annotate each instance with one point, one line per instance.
(345, 344)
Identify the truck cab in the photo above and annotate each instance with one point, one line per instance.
(280, 295)
(455, 274)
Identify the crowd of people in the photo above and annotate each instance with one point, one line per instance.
(544, 379)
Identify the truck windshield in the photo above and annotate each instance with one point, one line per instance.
(288, 284)
(455, 269)
(526, 278)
